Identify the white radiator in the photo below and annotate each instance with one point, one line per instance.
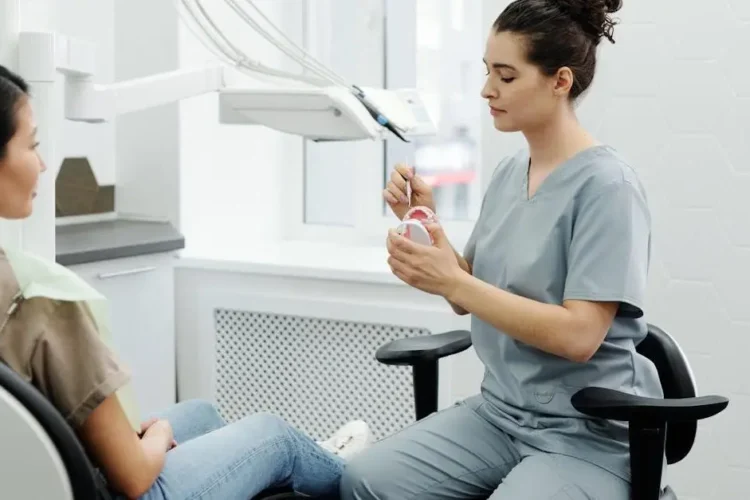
(315, 373)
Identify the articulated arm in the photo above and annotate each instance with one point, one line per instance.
(42, 55)
(332, 113)
(86, 101)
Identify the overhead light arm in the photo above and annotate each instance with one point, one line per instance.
(87, 101)
(320, 106)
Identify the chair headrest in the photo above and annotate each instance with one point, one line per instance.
(81, 473)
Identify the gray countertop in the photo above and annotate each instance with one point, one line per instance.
(114, 239)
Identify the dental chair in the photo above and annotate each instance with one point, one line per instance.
(41, 457)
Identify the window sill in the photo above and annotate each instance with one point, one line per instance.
(299, 259)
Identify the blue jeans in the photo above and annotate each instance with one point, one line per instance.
(215, 460)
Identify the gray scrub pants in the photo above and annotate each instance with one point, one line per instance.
(458, 454)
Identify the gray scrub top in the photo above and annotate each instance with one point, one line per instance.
(585, 234)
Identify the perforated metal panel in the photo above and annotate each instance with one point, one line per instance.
(315, 373)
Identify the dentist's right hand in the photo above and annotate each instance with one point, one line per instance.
(395, 191)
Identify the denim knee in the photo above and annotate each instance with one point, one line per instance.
(272, 424)
(202, 411)
(273, 428)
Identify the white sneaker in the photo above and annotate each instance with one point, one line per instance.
(349, 440)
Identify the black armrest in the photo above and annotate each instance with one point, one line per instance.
(425, 348)
(615, 405)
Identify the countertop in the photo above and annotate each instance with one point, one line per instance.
(114, 239)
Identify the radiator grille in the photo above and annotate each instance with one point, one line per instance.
(315, 373)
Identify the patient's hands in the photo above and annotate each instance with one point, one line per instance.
(395, 191)
(160, 429)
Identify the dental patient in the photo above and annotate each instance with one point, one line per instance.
(189, 452)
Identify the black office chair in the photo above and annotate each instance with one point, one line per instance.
(657, 426)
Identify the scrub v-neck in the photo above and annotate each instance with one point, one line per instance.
(552, 176)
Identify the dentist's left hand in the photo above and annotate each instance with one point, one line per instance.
(432, 269)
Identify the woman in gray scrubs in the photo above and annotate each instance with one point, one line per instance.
(554, 276)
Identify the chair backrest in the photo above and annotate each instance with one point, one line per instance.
(27, 413)
(677, 381)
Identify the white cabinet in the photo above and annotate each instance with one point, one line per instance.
(141, 296)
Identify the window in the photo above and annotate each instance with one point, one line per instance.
(433, 45)
(441, 58)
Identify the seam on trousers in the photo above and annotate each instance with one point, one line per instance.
(416, 496)
(414, 424)
(567, 492)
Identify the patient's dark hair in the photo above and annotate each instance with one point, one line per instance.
(13, 89)
(562, 33)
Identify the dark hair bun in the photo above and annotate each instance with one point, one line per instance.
(592, 15)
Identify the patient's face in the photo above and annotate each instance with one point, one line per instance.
(20, 167)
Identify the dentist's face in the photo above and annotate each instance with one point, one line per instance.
(519, 95)
(20, 166)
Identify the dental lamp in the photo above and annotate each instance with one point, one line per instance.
(318, 105)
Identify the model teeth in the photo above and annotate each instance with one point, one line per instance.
(428, 215)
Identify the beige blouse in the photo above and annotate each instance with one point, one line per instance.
(55, 345)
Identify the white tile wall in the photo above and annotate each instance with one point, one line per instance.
(673, 95)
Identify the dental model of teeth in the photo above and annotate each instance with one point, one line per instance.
(413, 224)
